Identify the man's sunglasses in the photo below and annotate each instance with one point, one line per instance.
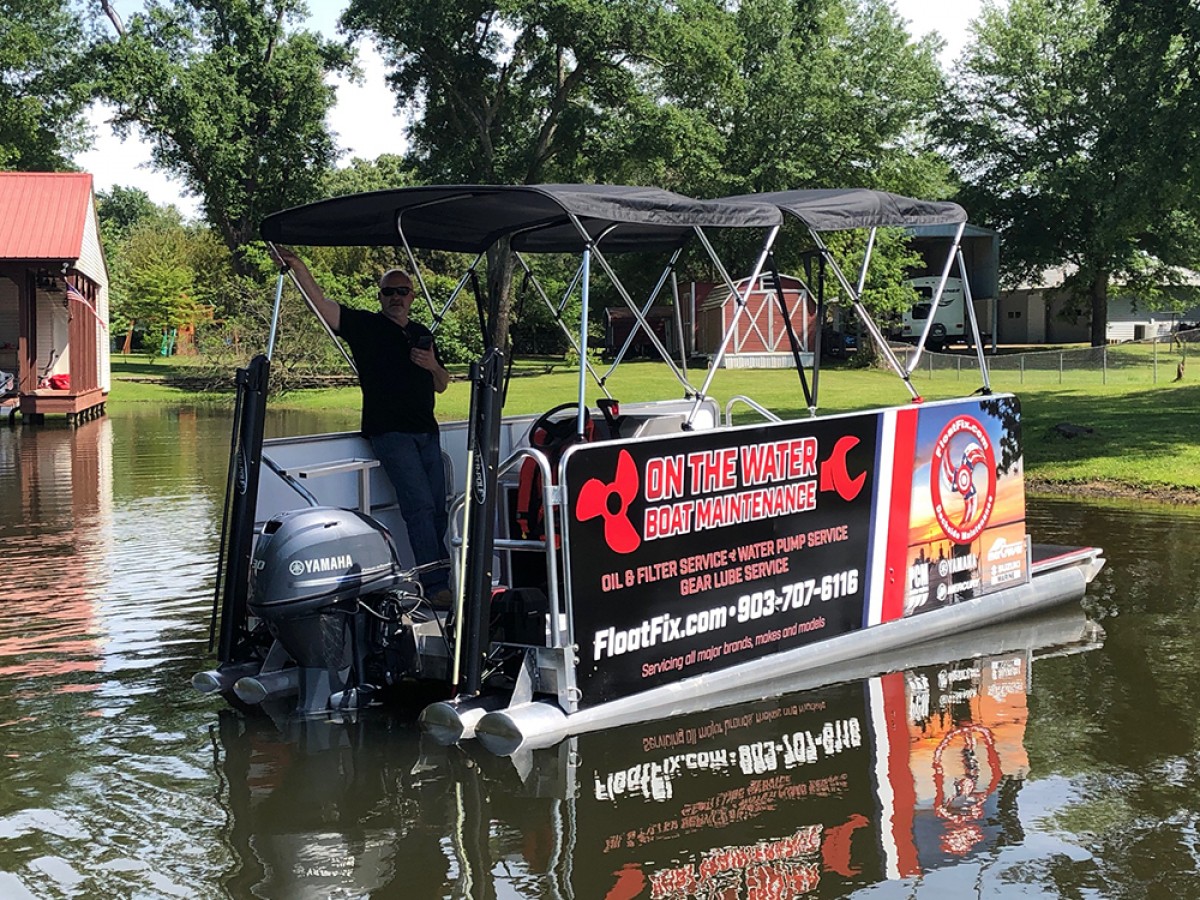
(398, 291)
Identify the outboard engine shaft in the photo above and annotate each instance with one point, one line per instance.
(310, 568)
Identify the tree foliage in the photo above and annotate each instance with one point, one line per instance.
(836, 94)
(42, 88)
(165, 274)
(121, 210)
(699, 96)
(232, 100)
(1068, 127)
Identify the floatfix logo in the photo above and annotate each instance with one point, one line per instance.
(962, 479)
(612, 502)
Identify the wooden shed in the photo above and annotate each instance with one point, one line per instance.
(760, 338)
(54, 338)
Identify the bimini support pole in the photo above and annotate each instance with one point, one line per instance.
(864, 316)
(937, 298)
(970, 302)
(275, 317)
(585, 294)
(663, 352)
(640, 322)
(557, 312)
(415, 269)
(308, 302)
(768, 242)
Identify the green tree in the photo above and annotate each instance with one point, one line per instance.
(121, 210)
(1064, 129)
(232, 100)
(522, 91)
(42, 92)
(162, 274)
(698, 96)
(836, 95)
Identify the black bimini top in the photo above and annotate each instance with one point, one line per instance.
(471, 218)
(839, 209)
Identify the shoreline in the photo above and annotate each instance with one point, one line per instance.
(1096, 489)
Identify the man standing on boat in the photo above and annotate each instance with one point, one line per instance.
(398, 372)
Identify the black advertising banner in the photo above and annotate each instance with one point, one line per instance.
(773, 800)
(695, 552)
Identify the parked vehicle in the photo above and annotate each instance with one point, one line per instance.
(949, 315)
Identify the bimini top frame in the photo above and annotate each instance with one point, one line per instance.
(548, 218)
(589, 220)
(826, 210)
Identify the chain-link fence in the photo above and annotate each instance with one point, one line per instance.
(1150, 361)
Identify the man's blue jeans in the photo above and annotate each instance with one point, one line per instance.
(413, 462)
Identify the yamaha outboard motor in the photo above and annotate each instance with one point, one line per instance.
(311, 567)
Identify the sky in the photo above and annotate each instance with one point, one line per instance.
(365, 119)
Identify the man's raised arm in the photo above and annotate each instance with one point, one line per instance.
(328, 310)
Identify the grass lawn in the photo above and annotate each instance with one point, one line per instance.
(1145, 437)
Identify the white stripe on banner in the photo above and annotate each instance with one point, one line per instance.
(883, 506)
(883, 779)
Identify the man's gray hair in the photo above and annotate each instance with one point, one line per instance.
(384, 277)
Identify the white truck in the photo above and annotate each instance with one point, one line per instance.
(949, 319)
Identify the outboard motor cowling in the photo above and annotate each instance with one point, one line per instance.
(310, 568)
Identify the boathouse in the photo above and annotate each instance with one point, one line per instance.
(54, 342)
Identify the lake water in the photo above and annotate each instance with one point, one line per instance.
(1048, 758)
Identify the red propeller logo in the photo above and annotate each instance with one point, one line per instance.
(612, 502)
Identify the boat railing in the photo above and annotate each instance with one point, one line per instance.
(286, 477)
(547, 544)
(758, 408)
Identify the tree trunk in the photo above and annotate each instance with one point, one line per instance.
(1099, 295)
(500, 273)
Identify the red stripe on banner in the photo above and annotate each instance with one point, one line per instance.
(899, 773)
(903, 458)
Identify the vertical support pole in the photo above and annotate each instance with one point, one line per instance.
(678, 322)
(483, 451)
(242, 503)
(585, 296)
(1022, 368)
(1155, 378)
(275, 318)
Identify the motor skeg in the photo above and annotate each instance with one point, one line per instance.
(309, 559)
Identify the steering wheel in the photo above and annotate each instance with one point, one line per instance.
(555, 430)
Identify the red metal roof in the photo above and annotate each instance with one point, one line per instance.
(42, 214)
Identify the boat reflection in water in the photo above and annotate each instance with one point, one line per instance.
(887, 777)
